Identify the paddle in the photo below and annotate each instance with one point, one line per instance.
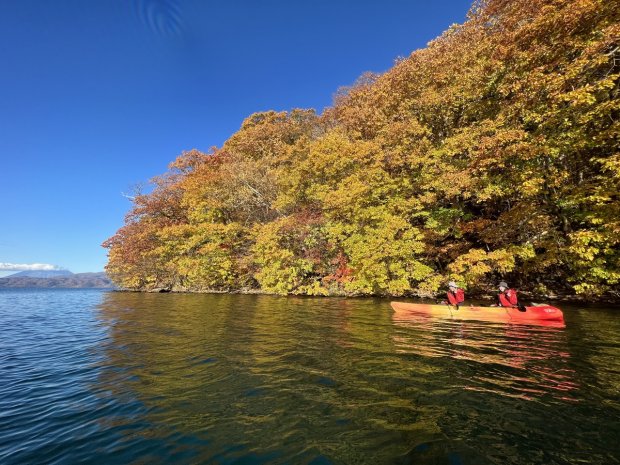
(520, 306)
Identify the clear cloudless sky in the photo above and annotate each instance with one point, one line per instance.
(97, 96)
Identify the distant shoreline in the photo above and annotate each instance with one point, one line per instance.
(73, 281)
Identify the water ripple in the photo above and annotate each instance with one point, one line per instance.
(131, 378)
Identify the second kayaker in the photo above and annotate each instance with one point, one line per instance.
(456, 296)
(508, 297)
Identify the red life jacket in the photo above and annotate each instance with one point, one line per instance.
(457, 297)
(508, 298)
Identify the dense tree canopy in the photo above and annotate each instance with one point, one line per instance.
(494, 152)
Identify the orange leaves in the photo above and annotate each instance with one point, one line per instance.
(270, 136)
(189, 161)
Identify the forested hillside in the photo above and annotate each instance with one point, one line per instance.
(494, 152)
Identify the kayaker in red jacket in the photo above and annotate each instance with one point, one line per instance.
(456, 296)
(508, 297)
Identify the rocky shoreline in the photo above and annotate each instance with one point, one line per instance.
(474, 297)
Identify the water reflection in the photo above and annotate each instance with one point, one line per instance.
(118, 378)
(258, 379)
(515, 360)
(246, 374)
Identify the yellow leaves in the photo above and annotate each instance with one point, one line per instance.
(270, 136)
(335, 156)
(429, 286)
(442, 221)
(384, 258)
(210, 268)
(489, 192)
(524, 252)
(290, 253)
(585, 244)
(611, 165)
(595, 258)
(532, 186)
(494, 150)
(315, 288)
(472, 266)
(582, 96)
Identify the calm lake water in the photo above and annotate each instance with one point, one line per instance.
(116, 378)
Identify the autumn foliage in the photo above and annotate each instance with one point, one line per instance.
(494, 152)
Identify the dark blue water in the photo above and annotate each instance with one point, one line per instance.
(118, 378)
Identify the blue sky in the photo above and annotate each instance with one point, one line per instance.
(98, 96)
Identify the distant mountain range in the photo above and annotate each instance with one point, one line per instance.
(57, 279)
(40, 274)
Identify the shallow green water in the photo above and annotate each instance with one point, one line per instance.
(96, 377)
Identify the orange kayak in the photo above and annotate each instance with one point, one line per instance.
(544, 315)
